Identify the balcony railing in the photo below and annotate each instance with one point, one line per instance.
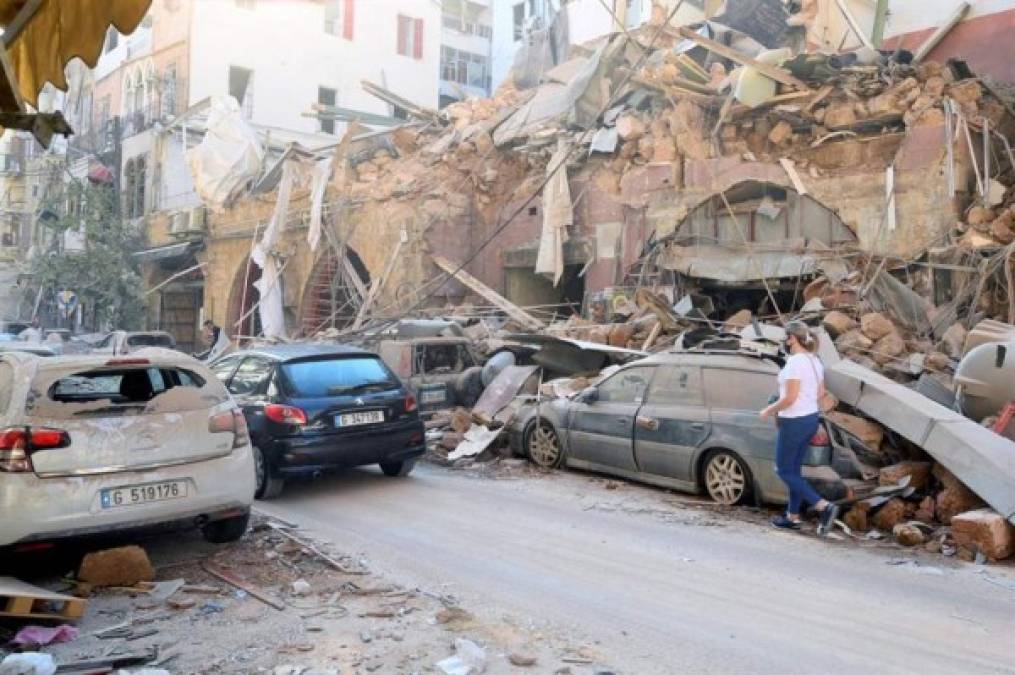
(461, 25)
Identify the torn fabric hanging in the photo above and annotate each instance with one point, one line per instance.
(558, 215)
(269, 286)
(319, 176)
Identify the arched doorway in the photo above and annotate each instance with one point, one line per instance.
(334, 292)
(244, 320)
(775, 240)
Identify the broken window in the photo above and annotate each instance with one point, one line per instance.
(241, 87)
(327, 96)
(121, 386)
(627, 386)
(442, 359)
(410, 36)
(518, 20)
(676, 385)
(163, 341)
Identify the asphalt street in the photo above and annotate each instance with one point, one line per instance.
(657, 584)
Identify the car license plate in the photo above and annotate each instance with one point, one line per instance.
(357, 418)
(130, 495)
(433, 396)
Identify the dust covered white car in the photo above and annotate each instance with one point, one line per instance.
(93, 444)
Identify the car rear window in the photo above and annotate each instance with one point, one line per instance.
(322, 378)
(150, 341)
(121, 391)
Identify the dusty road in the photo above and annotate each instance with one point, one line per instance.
(655, 585)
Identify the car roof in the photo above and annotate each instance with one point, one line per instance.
(156, 356)
(717, 358)
(300, 350)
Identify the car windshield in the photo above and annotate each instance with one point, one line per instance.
(321, 378)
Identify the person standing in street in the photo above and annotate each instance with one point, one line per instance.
(797, 411)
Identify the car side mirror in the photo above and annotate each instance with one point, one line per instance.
(589, 395)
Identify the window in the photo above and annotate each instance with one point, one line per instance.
(518, 20)
(112, 39)
(627, 386)
(464, 68)
(134, 187)
(103, 115)
(246, 4)
(169, 91)
(410, 37)
(334, 377)
(326, 96)
(164, 341)
(224, 369)
(121, 386)
(680, 385)
(339, 17)
(738, 389)
(250, 376)
(399, 113)
(241, 87)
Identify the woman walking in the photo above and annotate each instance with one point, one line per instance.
(801, 387)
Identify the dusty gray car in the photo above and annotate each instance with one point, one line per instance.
(684, 420)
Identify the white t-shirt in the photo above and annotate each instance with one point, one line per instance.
(808, 370)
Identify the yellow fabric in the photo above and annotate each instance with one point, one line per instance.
(61, 30)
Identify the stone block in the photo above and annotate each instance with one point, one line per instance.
(630, 128)
(838, 323)
(876, 326)
(839, 115)
(919, 473)
(985, 530)
(908, 535)
(780, 133)
(854, 340)
(871, 433)
(953, 340)
(890, 515)
(888, 349)
(124, 566)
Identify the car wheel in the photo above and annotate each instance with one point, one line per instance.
(727, 479)
(398, 469)
(542, 444)
(268, 486)
(226, 530)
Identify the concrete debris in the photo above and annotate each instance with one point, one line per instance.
(986, 531)
(469, 659)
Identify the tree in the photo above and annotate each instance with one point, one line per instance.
(104, 273)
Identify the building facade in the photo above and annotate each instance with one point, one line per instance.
(466, 49)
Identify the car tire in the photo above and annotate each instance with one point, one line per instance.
(542, 445)
(398, 469)
(726, 478)
(226, 530)
(268, 486)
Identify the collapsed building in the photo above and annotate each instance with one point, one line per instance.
(867, 191)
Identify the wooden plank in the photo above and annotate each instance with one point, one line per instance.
(822, 94)
(376, 287)
(243, 586)
(490, 295)
(22, 600)
(777, 74)
(854, 24)
(791, 171)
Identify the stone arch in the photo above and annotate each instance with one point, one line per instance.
(330, 298)
(242, 319)
(768, 213)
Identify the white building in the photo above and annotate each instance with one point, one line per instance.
(586, 20)
(466, 47)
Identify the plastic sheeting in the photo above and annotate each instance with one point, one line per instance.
(319, 176)
(269, 286)
(558, 215)
(229, 156)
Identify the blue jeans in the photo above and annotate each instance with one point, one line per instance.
(791, 443)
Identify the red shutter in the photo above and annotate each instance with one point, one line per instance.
(417, 46)
(403, 36)
(348, 16)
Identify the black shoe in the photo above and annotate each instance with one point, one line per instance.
(828, 517)
(784, 523)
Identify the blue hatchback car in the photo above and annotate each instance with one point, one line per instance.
(313, 408)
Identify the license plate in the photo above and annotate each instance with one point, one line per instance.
(357, 418)
(435, 396)
(130, 495)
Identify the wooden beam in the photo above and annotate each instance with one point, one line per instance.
(376, 287)
(854, 25)
(487, 293)
(939, 34)
(777, 74)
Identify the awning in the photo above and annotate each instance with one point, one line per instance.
(42, 36)
(739, 265)
(168, 252)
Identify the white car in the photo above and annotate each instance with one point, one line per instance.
(96, 444)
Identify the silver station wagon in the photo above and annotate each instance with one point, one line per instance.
(686, 420)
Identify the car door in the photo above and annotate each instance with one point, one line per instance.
(734, 398)
(673, 423)
(601, 431)
(249, 386)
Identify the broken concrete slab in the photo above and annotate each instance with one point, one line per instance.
(986, 531)
(980, 458)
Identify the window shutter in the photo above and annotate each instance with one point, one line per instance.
(402, 36)
(417, 44)
(348, 16)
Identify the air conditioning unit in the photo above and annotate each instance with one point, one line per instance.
(191, 221)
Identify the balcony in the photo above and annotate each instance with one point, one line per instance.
(466, 27)
(161, 104)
